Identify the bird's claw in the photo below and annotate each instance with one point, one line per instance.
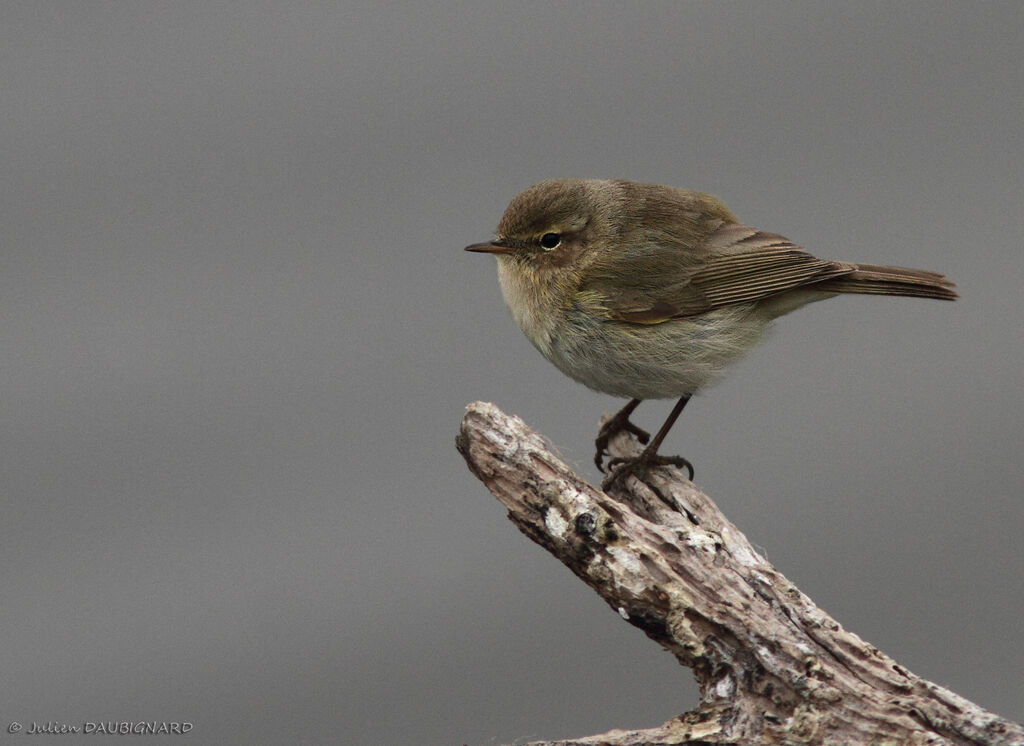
(610, 429)
(620, 468)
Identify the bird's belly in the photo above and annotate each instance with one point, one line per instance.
(653, 361)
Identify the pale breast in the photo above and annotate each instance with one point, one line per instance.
(535, 311)
(656, 361)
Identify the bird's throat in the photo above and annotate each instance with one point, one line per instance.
(534, 299)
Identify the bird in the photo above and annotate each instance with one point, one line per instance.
(644, 291)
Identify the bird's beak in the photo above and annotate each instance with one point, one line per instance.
(496, 246)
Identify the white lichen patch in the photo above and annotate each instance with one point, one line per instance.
(725, 687)
(575, 500)
(557, 526)
(702, 541)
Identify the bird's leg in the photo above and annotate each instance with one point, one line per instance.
(613, 427)
(619, 468)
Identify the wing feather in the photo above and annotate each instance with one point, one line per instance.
(734, 264)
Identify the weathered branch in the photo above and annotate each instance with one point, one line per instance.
(771, 666)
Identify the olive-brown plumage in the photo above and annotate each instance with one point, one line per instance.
(648, 291)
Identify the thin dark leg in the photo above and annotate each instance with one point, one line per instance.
(672, 417)
(650, 453)
(616, 425)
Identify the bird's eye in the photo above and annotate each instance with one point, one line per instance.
(550, 241)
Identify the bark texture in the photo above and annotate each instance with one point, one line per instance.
(772, 667)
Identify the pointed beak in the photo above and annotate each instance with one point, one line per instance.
(492, 247)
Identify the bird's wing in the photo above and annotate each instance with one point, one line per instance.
(734, 264)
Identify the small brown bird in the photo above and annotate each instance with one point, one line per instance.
(649, 292)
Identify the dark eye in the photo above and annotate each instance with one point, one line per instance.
(550, 240)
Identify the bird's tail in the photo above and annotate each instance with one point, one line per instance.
(878, 280)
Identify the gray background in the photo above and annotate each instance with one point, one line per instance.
(239, 331)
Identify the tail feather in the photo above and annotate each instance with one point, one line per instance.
(874, 279)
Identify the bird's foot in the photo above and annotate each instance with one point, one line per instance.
(620, 468)
(617, 424)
